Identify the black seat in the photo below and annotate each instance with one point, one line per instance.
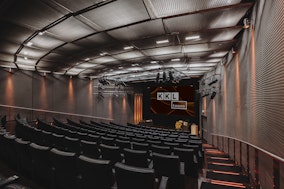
(155, 142)
(95, 173)
(168, 166)
(72, 145)
(138, 158)
(140, 146)
(186, 156)
(171, 144)
(161, 149)
(90, 149)
(122, 143)
(58, 141)
(129, 177)
(107, 141)
(93, 138)
(24, 157)
(9, 150)
(64, 175)
(41, 164)
(111, 153)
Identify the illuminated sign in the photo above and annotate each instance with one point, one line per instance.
(169, 96)
(179, 105)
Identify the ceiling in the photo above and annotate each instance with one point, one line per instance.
(128, 40)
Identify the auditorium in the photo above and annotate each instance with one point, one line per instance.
(141, 94)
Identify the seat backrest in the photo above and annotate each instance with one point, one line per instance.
(166, 165)
(161, 149)
(111, 153)
(72, 144)
(129, 177)
(140, 146)
(64, 174)
(95, 172)
(90, 149)
(122, 143)
(107, 140)
(138, 158)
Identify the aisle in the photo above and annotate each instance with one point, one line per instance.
(221, 172)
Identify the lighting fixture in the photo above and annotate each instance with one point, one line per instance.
(103, 54)
(175, 59)
(246, 23)
(192, 37)
(162, 41)
(29, 44)
(26, 58)
(134, 64)
(41, 32)
(128, 47)
(154, 62)
(87, 59)
(120, 67)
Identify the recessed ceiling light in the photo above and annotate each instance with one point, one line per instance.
(26, 58)
(154, 62)
(120, 67)
(87, 59)
(29, 44)
(41, 33)
(134, 64)
(162, 41)
(128, 47)
(192, 37)
(175, 59)
(103, 53)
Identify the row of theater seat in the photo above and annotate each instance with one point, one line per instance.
(132, 157)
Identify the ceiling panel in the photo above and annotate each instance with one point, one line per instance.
(46, 42)
(207, 47)
(218, 18)
(152, 42)
(22, 60)
(14, 33)
(77, 5)
(6, 57)
(8, 47)
(26, 67)
(76, 29)
(69, 49)
(139, 31)
(32, 13)
(32, 52)
(118, 13)
(163, 8)
(163, 51)
(96, 41)
(104, 59)
(128, 55)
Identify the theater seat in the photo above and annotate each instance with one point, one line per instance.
(24, 157)
(41, 164)
(129, 177)
(161, 149)
(111, 153)
(94, 173)
(64, 174)
(90, 149)
(138, 158)
(168, 166)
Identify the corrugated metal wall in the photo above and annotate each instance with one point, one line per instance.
(250, 103)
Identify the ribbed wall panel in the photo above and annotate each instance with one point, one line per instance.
(265, 171)
(281, 168)
(250, 103)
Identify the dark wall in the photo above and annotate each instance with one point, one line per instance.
(26, 89)
(169, 120)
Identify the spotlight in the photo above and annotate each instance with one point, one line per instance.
(246, 23)
(164, 77)
(213, 94)
(158, 77)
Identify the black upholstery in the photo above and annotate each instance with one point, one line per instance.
(140, 146)
(186, 156)
(64, 174)
(95, 173)
(129, 177)
(111, 153)
(161, 149)
(24, 157)
(72, 145)
(169, 166)
(107, 141)
(41, 164)
(90, 149)
(122, 143)
(136, 158)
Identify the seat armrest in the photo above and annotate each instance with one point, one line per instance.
(8, 180)
(163, 182)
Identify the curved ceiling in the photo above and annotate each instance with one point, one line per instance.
(129, 40)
